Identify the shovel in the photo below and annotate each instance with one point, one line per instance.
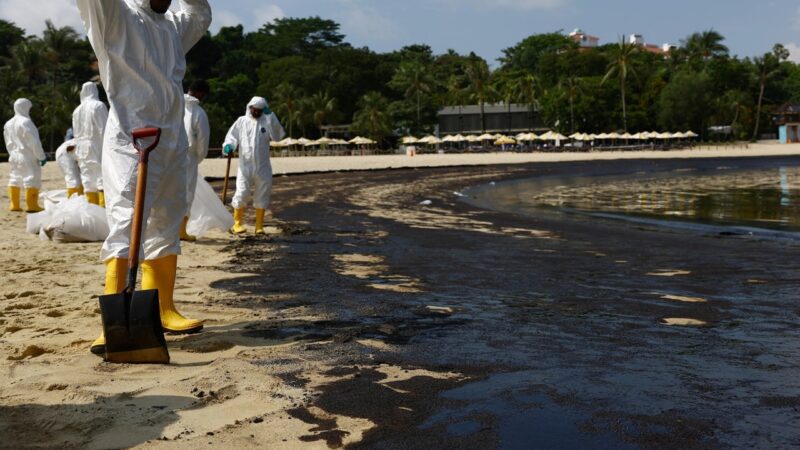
(131, 319)
(227, 177)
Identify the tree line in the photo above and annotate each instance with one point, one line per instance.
(314, 78)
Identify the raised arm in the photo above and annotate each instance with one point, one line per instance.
(104, 21)
(192, 19)
(276, 131)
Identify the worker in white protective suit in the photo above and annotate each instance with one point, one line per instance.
(88, 125)
(252, 134)
(198, 132)
(141, 48)
(68, 163)
(26, 158)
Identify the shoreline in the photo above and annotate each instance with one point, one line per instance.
(366, 319)
(215, 168)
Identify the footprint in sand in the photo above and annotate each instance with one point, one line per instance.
(33, 351)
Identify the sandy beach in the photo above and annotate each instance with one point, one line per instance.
(366, 320)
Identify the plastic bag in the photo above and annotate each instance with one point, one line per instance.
(208, 212)
(73, 220)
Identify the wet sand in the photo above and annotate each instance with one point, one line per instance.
(369, 320)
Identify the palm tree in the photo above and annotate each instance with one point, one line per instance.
(372, 118)
(572, 87)
(621, 66)
(479, 88)
(287, 97)
(766, 67)
(322, 106)
(705, 45)
(30, 58)
(414, 80)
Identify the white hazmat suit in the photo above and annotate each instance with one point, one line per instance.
(88, 125)
(25, 156)
(68, 163)
(142, 58)
(253, 137)
(198, 132)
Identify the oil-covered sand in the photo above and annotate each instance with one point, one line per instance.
(368, 319)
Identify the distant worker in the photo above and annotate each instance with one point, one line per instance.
(26, 157)
(68, 163)
(252, 134)
(199, 133)
(88, 125)
(141, 48)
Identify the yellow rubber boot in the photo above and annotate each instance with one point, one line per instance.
(93, 198)
(260, 221)
(238, 218)
(101, 199)
(116, 274)
(71, 192)
(185, 236)
(160, 274)
(80, 190)
(13, 195)
(32, 201)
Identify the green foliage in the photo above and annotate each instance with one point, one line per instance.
(372, 118)
(312, 77)
(684, 102)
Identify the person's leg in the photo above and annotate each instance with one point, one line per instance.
(116, 274)
(263, 195)
(244, 184)
(120, 168)
(33, 183)
(162, 239)
(15, 182)
(89, 182)
(191, 187)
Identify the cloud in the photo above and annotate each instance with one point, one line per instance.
(794, 52)
(365, 22)
(31, 14)
(267, 14)
(523, 5)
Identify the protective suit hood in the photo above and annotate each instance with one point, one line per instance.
(191, 100)
(258, 103)
(22, 107)
(89, 92)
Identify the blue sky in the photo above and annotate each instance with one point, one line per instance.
(487, 26)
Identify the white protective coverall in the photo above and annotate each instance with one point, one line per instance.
(253, 137)
(68, 162)
(198, 132)
(142, 57)
(24, 148)
(88, 125)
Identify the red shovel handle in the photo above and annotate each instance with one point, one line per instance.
(144, 133)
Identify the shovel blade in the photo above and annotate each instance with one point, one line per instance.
(132, 327)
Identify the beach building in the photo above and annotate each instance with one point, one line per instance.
(584, 40)
(639, 41)
(499, 118)
(787, 118)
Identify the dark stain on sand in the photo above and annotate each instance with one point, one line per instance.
(569, 337)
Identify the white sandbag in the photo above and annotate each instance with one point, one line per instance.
(208, 212)
(51, 198)
(77, 220)
(35, 222)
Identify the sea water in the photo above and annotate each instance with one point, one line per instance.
(764, 201)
